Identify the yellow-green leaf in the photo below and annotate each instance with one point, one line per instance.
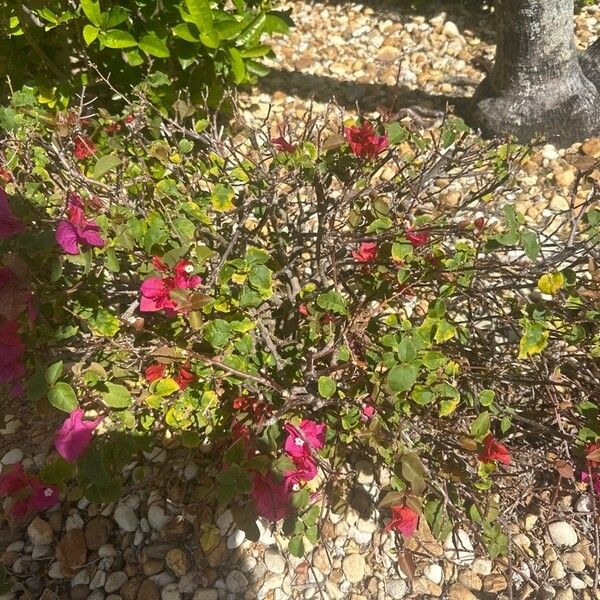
(550, 283)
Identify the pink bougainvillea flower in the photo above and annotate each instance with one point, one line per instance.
(366, 253)
(308, 432)
(154, 372)
(271, 498)
(306, 468)
(592, 454)
(367, 412)
(494, 451)
(75, 435)
(13, 480)
(416, 238)
(282, 144)
(9, 224)
(185, 376)
(363, 140)
(595, 481)
(84, 147)
(404, 519)
(43, 496)
(156, 290)
(11, 356)
(76, 230)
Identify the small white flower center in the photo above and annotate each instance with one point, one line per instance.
(188, 268)
(296, 487)
(299, 441)
(48, 492)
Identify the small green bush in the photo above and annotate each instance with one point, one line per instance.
(279, 309)
(201, 46)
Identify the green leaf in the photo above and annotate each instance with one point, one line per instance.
(296, 546)
(164, 387)
(210, 39)
(486, 397)
(481, 426)
(90, 33)
(91, 9)
(550, 283)
(444, 331)
(253, 30)
(184, 32)
(116, 396)
(530, 243)
(151, 44)
(217, 333)
(63, 397)
(105, 163)
(221, 198)
(534, 340)
(53, 372)
(332, 301)
(201, 14)
(260, 277)
(237, 65)
(57, 472)
(402, 377)
(327, 387)
(406, 350)
(117, 38)
(414, 472)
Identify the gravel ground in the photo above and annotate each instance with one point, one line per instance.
(148, 547)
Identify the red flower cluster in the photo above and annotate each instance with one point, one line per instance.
(363, 140)
(493, 451)
(84, 148)
(156, 291)
(404, 520)
(29, 493)
(366, 253)
(183, 378)
(281, 143)
(417, 238)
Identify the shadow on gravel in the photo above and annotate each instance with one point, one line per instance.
(367, 96)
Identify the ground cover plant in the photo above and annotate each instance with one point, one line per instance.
(277, 306)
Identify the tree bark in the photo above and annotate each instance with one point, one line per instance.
(590, 63)
(537, 87)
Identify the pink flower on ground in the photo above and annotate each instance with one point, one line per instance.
(367, 412)
(366, 253)
(363, 140)
(9, 224)
(12, 350)
(13, 480)
(75, 435)
(308, 432)
(404, 519)
(271, 498)
(156, 290)
(43, 496)
(416, 238)
(303, 310)
(76, 230)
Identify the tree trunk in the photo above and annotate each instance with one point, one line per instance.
(590, 63)
(537, 86)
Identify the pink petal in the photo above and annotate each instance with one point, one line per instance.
(66, 236)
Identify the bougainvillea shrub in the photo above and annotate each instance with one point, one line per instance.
(284, 304)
